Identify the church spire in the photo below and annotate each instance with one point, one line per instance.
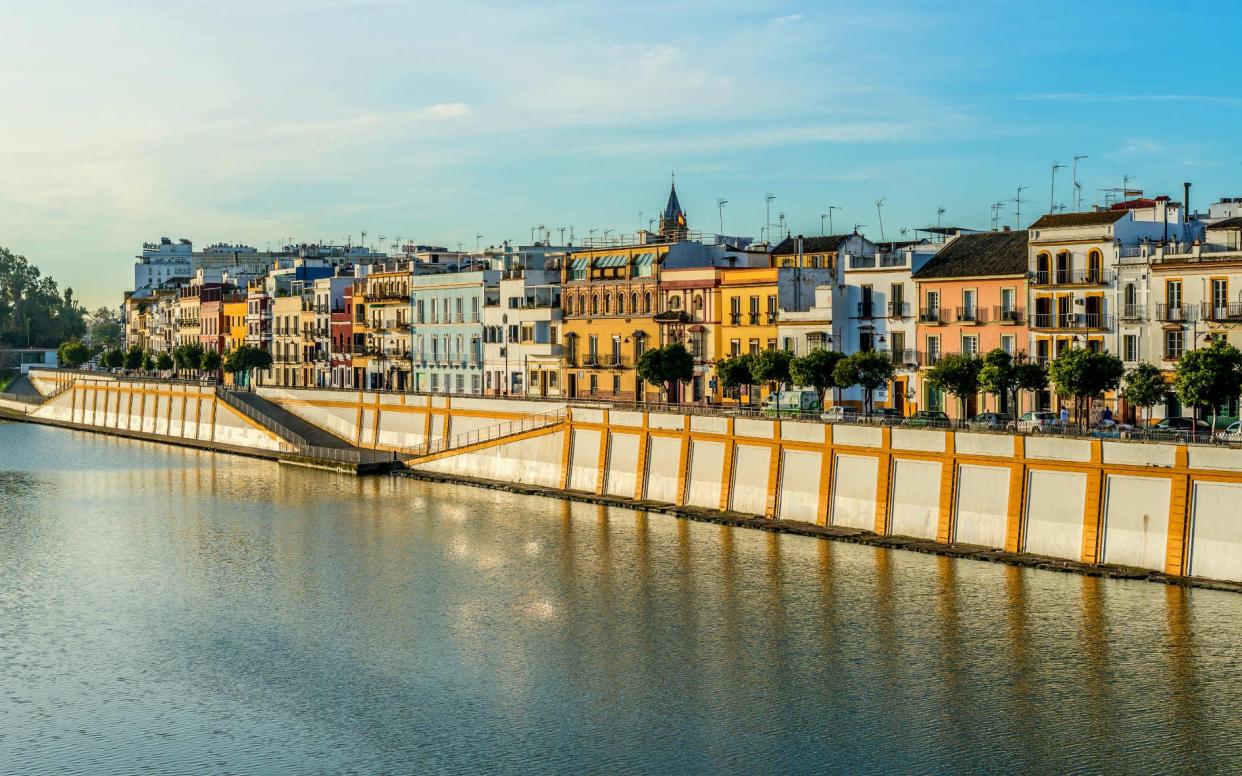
(673, 219)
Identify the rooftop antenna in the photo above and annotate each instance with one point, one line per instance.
(561, 229)
(720, 203)
(767, 219)
(364, 238)
(477, 236)
(857, 227)
(606, 233)
(544, 231)
(780, 219)
(939, 212)
(996, 209)
(1077, 184)
(1052, 193)
(1017, 201)
(1125, 186)
(879, 205)
(640, 219)
(821, 220)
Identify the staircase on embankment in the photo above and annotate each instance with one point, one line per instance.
(483, 437)
(310, 441)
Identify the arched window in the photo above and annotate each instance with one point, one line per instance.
(608, 304)
(634, 302)
(647, 303)
(594, 304)
(1095, 266)
(1064, 265)
(581, 304)
(674, 303)
(621, 303)
(1131, 295)
(697, 309)
(1043, 269)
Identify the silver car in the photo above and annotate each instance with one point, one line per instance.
(1035, 423)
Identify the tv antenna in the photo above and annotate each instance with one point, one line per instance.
(829, 215)
(997, 207)
(939, 212)
(879, 212)
(720, 203)
(1017, 201)
(1077, 184)
(561, 229)
(477, 236)
(1052, 192)
(767, 218)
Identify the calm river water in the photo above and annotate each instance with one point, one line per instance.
(173, 611)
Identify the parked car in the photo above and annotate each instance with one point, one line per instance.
(1179, 429)
(989, 421)
(841, 414)
(1231, 435)
(1035, 423)
(926, 419)
(886, 416)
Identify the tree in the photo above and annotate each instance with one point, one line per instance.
(164, 362)
(113, 359)
(666, 366)
(188, 358)
(999, 376)
(133, 357)
(148, 362)
(33, 311)
(815, 369)
(104, 328)
(734, 372)
(771, 367)
(1084, 374)
(1144, 387)
(73, 354)
(868, 369)
(1031, 377)
(244, 359)
(210, 361)
(1209, 377)
(958, 374)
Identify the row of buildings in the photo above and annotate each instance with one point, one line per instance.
(1142, 278)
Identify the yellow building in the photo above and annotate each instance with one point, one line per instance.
(235, 320)
(691, 304)
(382, 316)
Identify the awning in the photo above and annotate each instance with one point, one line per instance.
(696, 328)
(579, 264)
(611, 261)
(644, 260)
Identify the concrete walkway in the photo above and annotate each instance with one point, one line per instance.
(314, 435)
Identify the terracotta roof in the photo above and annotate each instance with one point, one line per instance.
(826, 244)
(1089, 218)
(978, 255)
(1228, 223)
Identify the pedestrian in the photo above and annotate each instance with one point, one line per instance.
(1108, 413)
(1064, 419)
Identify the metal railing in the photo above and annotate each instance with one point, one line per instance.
(1229, 311)
(31, 398)
(1175, 313)
(1071, 277)
(302, 444)
(897, 309)
(935, 315)
(1132, 312)
(486, 434)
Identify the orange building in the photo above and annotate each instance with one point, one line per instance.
(970, 301)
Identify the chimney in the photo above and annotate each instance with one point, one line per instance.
(1186, 201)
(1006, 227)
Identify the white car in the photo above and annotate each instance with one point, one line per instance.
(1231, 435)
(1035, 422)
(841, 414)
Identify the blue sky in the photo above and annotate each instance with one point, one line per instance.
(255, 121)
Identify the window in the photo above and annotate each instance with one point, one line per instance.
(771, 309)
(620, 304)
(1220, 298)
(1041, 351)
(594, 383)
(474, 383)
(461, 383)
(594, 304)
(1095, 266)
(752, 346)
(458, 304)
(616, 384)
(735, 348)
(435, 382)
(933, 350)
(735, 310)
(633, 303)
(474, 309)
(1173, 293)
(933, 304)
(968, 305)
(1174, 344)
(754, 310)
(788, 344)
(970, 346)
(647, 303)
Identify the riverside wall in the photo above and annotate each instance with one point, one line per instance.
(1166, 508)
(162, 410)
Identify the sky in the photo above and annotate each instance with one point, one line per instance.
(258, 120)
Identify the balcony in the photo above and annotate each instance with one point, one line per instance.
(1132, 313)
(971, 315)
(866, 310)
(898, 309)
(1009, 315)
(612, 360)
(1175, 313)
(933, 316)
(1229, 312)
(1072, 277)
(904, 357)
(1071, 321)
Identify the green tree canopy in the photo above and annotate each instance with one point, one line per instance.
(1209, 377)
(1030, 376)
(164, 362)
(1144, 386)
(1083, 374)
(771, 367)
(244, 359)
(999, 376)
(958, 374)
(816, 369)
(113, 359)
(73, 354)
(666, 366)
(188, 357)
(868, 369)
(104, 328)
(210, 361)
(133, 357)
(734, 372)
(148, 362)
(33, 311)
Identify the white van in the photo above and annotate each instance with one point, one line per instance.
(795, 401)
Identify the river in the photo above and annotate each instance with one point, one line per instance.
(169, 610)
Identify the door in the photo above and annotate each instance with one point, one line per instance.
(899, 396)
(571, 384)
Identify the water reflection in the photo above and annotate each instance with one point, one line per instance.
(168, 609)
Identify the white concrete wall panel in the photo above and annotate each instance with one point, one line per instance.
(438, 429)
(853, 490)
(1219, 458)
(588, 415)
(622, 465)
(709, 424)
(665, 421)
(751, 465)
(623, 418)
(750, 427)
(1054, 513)
(1000, 445)
(857, 436)
(915, 501)
(1136, 520)
(705, 475)
(922, 440)
(1054, 448)
(584, 460)
(799, 494)
(1216, 530)
(1138, 454)
(798, 431)
(663, 466)
(532, 461)
(982, 514)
